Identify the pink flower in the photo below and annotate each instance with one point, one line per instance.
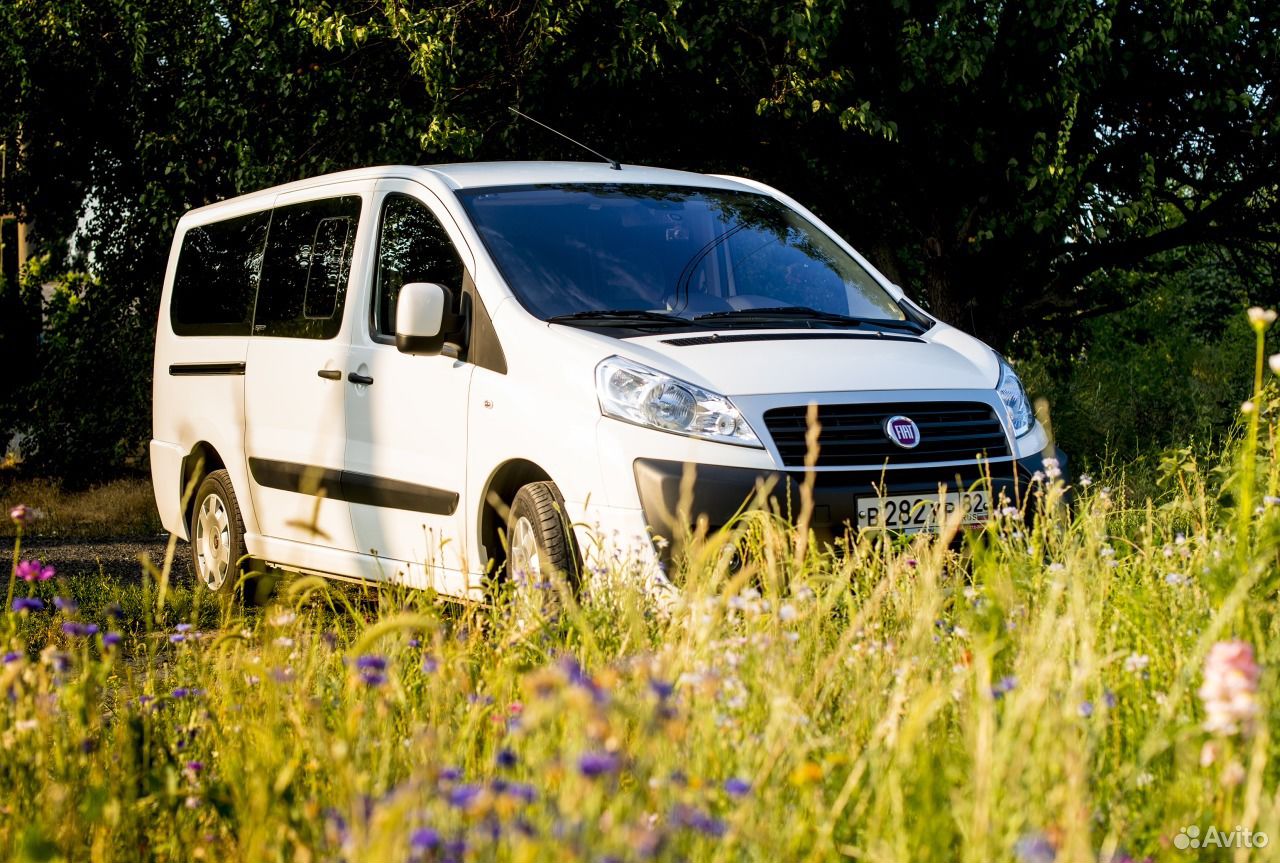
(1230, 688)
(22, 515)
(34, 570)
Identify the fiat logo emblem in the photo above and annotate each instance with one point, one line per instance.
(903, 431)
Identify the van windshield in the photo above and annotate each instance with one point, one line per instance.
(622, 252)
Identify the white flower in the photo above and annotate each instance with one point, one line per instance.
(1136, 662)
(787, 612)
(1261, 318)
(1274, 362)
(1177, 579)
(283, 618)
(1247, 407)
(1085, 480)
(1051, 468)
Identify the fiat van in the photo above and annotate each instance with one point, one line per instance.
(435, 375)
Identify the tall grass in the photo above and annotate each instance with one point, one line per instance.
(1027, 691)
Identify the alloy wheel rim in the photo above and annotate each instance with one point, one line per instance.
(526, 560)
(213, 542)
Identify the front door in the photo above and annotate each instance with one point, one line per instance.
(407, 423)
(296, 377)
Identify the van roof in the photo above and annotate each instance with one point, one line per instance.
(471, 175)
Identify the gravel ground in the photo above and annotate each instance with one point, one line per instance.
(116, 558)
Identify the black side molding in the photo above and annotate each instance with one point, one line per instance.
(352, 487)
(181, 370)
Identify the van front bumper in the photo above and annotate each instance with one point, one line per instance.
(717, 493)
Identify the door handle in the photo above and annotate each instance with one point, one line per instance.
(330, 374)
(362, 380)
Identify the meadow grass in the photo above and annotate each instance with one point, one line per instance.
(1045, 688)
(123, 507)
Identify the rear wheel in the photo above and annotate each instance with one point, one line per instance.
(540, 547)
(217, 534)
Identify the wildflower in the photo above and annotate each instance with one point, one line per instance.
(80, 630)
(1136, 662)
(424, 839)
(787, 612)
(186, 692)
(430, 664)
(13, 656)
(1233, 774)
(450, 774)
(1051, 468)
(110, 639)
(463, 796)
(1034, 848)
(1271, 500)
(194, 767)
(1056, 567)
(66, 605)
(1274, 362)
(1261, 318)
(507, 758)
(521, 791)
(737, 787)
(594, 764)
(1230, 688)
(22, 515)
(1247, 407)
(372, 669)
(1004, 686)
(28, 603)
(1085, 709)
(806, 774)
(115, 611)
(1085, 480)
(283, 618)
(1177, 579)
(661, 688)
(34, 570)
(695, 819)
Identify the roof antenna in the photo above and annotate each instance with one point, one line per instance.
(613, 163)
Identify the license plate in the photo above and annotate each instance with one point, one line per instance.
(913, 512)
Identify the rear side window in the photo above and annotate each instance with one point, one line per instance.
(217, 277)
(306, 269)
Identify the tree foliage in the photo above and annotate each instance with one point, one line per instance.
(1006, 162)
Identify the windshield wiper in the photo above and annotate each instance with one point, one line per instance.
(620, 316)
(803, 313)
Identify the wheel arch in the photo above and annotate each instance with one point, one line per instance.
(203, 460)
(499, 491)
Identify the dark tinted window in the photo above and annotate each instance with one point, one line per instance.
(306, 269)
(412, 247)
(217, 277)
(684, 251)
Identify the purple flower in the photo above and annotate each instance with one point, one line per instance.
(413, 642)
(1034, 848)
(195, 766)
(595, 764)
(115, 610)
(522, 791)
(661, 688)
(577, 677)
(28, 603)
(462, 796)
(66, 605)
(1085, 709)
(34, 570)
(430, 664)
(737, 787)
(13, 656)
(182, 627)
(1109, 698)
(60, 661)
(80, 630)
(695, 819)
(110, 639)
(88, 745)
(506, 758)
(176, 638)
(186, 692)
(22, 515)
(371, 662)
(424, 839)
(450, 774)
(1004, 686)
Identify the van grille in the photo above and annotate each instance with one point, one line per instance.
(855, 435)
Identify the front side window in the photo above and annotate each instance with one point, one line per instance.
(412, 247)
(306, 268)
(578, 249)
(217, 277)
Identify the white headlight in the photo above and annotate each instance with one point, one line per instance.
(1015, 400)
(638, 394)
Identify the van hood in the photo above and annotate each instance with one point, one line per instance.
(777, 362)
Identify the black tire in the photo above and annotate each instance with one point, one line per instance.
(216, 534)
(541, 508)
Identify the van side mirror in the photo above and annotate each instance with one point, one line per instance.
(424, 318)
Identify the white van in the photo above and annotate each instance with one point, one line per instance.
(384, 374)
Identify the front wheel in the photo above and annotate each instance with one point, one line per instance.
(217, 534)
(540, 545)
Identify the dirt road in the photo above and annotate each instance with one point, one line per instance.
(114, 558)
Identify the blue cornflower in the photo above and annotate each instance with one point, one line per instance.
(1004, 686)
(737, 787)
(424, 839)
(80, 630)
(594, 764)
(110, 639)
(695, 819)
(28, 603)
(66, 605)
(462, 796)
(507, 758)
